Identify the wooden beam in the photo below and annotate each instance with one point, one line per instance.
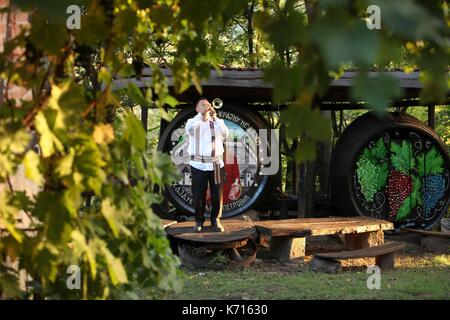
(431, 116)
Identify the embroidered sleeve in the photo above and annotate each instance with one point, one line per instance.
(193, 123)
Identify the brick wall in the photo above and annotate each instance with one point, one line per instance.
(11, 23)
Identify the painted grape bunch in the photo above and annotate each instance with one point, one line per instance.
(399, 188)
(433, 190)
(432, 170)
(409, 181)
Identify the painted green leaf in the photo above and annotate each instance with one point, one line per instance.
(416, 194)
(430, 163)
(402, 158)
(404, 210)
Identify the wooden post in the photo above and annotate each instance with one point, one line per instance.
(323, 161)
(431, 116)
(306, 190)
(355, 241)
(288, 248)
(386, 261)
(144, 117)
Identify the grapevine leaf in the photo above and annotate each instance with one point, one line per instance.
(379, 151)
(402, 158)
(431, 163)
(134, 132)
(9, 285)
(116, 270)
(31, 162)
(404, 210)
(48, 142)
(382, 176)
(416, 194)
(81, 246)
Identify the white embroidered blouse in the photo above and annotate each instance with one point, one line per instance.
(205, 140)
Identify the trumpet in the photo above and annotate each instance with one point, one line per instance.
(217, 103)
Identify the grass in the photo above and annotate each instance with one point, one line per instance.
(423, 276)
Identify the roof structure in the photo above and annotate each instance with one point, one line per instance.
(250, 86)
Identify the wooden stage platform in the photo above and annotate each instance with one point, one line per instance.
(285, 238)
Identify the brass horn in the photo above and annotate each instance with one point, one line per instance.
(217, 103)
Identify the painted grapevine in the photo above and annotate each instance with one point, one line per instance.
(402, 178)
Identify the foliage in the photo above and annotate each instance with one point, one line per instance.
(93, 206)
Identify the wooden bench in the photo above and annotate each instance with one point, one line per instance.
(384, 257)
(434, 241)
(287, 238)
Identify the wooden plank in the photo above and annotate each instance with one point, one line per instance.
(235, 229)
(166, 223)
(428, 233)
(383, 249)
(322, 226)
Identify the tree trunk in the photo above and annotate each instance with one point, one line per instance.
(250, 32)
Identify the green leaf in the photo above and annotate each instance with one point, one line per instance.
(286, 81)
(31, 163)
(342, 40)
(47, 36)
(416, 194)
(136, 94)
(430, 163)
(302, 119)
(48, 141)
(379, 151)
(378, 91)
(95, 19)
(114, 218)
(8, 215)
(9, 285)
(411, 19)
(134, 132)
(116, 270)
(402, 157)
(305, 152)
(276, 29)
(404, 210)
(65, 164)
(81, 247)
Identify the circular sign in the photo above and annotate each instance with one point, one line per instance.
(243, 183)
(394, 168)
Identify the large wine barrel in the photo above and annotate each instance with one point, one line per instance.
(391, 167)
(244, 185)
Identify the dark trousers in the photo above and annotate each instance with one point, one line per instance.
(200, 181)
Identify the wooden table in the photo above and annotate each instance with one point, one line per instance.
(287, 237)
